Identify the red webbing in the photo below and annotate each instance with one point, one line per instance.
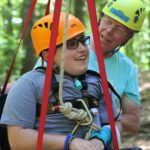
(47, 8)
(48, 76)
(21, 37)
(99, 53)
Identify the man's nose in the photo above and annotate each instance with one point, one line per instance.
(110, 28)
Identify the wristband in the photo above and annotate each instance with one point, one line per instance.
(68, 140)
(104, 135)
(117, 133)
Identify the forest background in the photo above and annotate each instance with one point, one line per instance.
(12, 18)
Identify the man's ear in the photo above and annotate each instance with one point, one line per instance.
(45, 55)
(128, 39)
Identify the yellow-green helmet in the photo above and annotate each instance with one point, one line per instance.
(130, 13)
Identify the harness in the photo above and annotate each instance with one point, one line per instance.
(91, 101)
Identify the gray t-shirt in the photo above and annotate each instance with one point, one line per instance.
(20, 106)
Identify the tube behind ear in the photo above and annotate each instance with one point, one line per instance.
(100, 17)
(56, 68)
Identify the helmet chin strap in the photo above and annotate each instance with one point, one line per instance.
(112, 51)
(57, 69)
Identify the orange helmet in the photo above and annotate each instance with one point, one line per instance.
(41, 31)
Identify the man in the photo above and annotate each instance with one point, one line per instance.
(121, 19)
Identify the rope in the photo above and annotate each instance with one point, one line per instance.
(47, 8)
(83, 117)
(63, 54)
(73, 113)
(48, 76)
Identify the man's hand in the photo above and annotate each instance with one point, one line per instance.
(81, 144)
(98, 143)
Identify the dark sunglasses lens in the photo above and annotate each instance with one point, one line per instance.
(85, 40)
(72, 44)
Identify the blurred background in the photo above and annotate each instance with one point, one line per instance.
(12, 17)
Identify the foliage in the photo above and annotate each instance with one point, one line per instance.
(10, 28)
(138, 49)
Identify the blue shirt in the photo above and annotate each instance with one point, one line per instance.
(121, 73)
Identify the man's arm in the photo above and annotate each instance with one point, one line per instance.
(130, 116)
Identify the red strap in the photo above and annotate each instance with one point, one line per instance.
(99, 53)
(47, 8)
(48, 76)
(21, 37)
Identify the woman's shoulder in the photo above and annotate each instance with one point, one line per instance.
(33, 77)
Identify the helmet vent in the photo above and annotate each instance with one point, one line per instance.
(46, 24)
(110, 3)
(73, 25)
(138, 13)
(51, 26)
(40, 25)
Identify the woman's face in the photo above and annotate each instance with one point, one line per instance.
(76, 56)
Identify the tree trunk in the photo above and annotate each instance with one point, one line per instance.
(78, 9)
(29, 59)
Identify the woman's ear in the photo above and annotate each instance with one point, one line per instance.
(45, 55)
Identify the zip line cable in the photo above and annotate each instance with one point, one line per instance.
(48, 76)
(100, 57)
(20, 41)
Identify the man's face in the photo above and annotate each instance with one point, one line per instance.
(112, 33)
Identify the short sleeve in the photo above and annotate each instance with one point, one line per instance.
(131, 89)
(20, 106)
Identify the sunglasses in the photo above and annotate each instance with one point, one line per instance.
(74, 43)
(109, 22)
